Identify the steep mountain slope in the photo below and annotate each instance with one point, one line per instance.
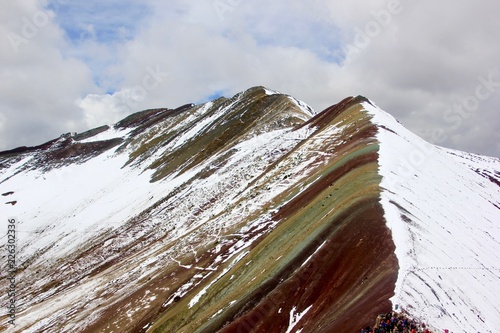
(250, 214)
(443, 208)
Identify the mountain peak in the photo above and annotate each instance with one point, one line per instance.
(248, 214)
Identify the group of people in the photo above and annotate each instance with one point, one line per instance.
(394, 322)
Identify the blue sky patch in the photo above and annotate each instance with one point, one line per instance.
(213, 95)
(319, 37)
(104, 22)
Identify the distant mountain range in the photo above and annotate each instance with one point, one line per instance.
(249, 214)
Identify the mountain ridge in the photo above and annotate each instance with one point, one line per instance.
(187, 206)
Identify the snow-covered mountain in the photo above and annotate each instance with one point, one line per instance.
(249, 214)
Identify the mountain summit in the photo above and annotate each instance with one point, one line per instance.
(249, 214)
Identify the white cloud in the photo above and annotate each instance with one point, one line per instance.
(38, 86)
(103, 109)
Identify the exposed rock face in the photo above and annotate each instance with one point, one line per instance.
(248, 214)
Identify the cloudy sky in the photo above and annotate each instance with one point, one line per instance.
(67, 65)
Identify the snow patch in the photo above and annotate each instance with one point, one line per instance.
(445, 228)
(295, 317)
